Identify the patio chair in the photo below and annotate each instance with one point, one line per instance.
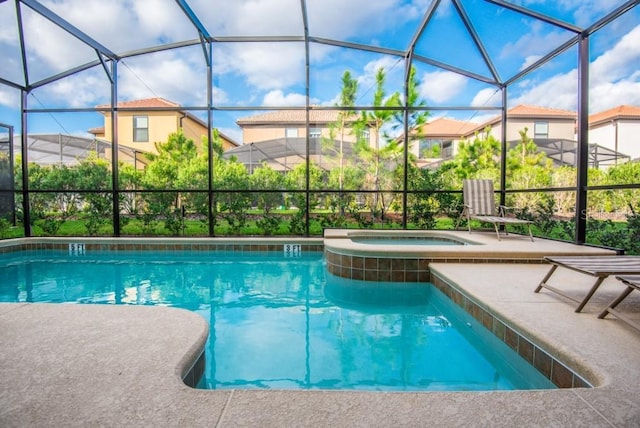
(479, 204)
(633, 283)
(599, 266)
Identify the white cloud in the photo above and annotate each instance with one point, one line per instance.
(487, 97)
(219, 95)
(332, 102)
(613, 80)
(441, 86)
(9, 97)
(179, 77)
(535, 41)
(264, 66)
(250, 17)
(608, 95)
(86, 89)
(51, 50)
(559, 91)
(394, 70)
(277, 98)
(131, 24)
(341, 19)
(387, 63)
(583, 11)
(531, 46)
(529, 60)
(620, 61)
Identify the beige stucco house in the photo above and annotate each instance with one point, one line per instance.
(540, 122)
(617, 129)
(279, 138)
(437, 140)
(292, 124)
(142, 123)
(612, 134)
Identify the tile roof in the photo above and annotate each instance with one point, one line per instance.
(443, 126)
(144, 103)
(96, 130)
(291, 116)
(619, 112)
(529, 111)
(524, 110)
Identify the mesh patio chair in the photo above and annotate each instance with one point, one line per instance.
(480, 204)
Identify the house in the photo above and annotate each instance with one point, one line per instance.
(553, 131)
(541, 123)
(279, 138)
(142, 123)
(437, 140)
(292, 124)
(617, 129)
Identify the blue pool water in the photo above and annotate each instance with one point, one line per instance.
(285, 323)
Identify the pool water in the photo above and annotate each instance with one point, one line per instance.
(285, 323)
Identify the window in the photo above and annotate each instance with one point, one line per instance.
(430, 148)
(541, 130)
(140, 128)
(365, 135)
(447, 150)
(291, 132)
(315, 133)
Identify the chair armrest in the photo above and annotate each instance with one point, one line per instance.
(503, 208)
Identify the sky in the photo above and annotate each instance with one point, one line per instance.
(269, 74)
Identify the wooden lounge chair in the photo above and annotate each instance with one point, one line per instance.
(633, 283)
(479, 204)
(599, 266)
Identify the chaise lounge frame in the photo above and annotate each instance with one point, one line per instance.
(633, 283)
(600, 267)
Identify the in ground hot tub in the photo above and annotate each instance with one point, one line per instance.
(391, 255)
(410, 238)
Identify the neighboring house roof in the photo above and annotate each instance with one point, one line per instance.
(616, 113)
(293, 117)
(97, 130)
(445, 127)
(155, 102)
(524, 110)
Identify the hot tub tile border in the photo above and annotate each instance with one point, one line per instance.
(398, 269)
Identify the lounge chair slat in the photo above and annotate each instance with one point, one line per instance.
(598, 266)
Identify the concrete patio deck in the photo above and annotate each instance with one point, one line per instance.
(95, 365)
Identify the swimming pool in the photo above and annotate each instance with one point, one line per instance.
(285, 323)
